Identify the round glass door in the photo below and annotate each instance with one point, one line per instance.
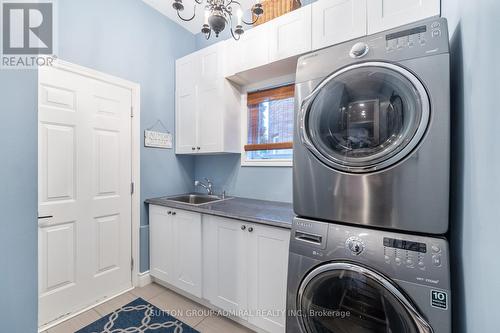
(346, 298)
(365, 116)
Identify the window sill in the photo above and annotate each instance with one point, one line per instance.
(266, 163)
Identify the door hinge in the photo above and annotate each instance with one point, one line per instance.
(131, 112)
(132, 188)
(131, 264)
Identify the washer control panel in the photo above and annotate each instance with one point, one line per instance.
(411, 254)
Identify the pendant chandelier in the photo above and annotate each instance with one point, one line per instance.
(218, 14)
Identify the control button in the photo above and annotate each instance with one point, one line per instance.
(421, 264)
(436, 260)
(436, 33)
(398, 261)
(435, 249)
(359, 50)
(435, 25)
(356, 245)
(409, 262)
(387, 258)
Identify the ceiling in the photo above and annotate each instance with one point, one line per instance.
(194, 26)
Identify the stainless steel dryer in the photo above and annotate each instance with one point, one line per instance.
(345, 279)
(372, 130)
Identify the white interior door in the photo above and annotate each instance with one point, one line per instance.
(84, 165)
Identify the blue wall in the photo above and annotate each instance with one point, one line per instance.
(129, 39)
(125, 38)
(475, 217)
(267, 183)
(18, 201)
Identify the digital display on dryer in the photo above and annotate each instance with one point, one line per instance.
(405, 245)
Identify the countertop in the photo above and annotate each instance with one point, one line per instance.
(277, 214)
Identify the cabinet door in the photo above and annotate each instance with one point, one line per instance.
(187, 77)
(161, 243)
(188, 262)
(225, 274)
(290, 34)
(210, 129)
(388, 14)
(336, 21)
(211, 64)
(268, 270)
(253, 49)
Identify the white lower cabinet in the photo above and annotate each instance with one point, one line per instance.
(176, 248)
(237, 266)
(245, 270)
(224, 264)
(267, 272)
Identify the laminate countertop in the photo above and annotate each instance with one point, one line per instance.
(272, 213)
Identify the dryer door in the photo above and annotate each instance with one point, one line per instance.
(343, 297)
(365, 117)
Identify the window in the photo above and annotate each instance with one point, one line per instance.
(270, 126)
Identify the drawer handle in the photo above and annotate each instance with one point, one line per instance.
(310, 238)
(45, 217)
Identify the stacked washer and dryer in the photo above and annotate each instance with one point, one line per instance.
(371, 186)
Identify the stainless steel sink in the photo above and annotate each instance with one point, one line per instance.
(195, 198)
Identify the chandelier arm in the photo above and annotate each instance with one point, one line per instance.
(250, 23)
(232, 34)
(192, 17)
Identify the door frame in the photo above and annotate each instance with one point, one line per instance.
(135, 147)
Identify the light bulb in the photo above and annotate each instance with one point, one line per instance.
(240, 15)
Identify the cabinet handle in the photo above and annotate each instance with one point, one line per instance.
(174, 213)
(169, 212)
(243, 227)
(198, 148)
(250, 229)
(45, 217)
(193, 148)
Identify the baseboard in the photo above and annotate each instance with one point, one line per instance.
(143, 279)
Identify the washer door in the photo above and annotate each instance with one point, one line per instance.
(365, 117)
(346, 298)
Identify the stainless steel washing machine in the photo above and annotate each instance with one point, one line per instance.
(372, 135)
(345, 279)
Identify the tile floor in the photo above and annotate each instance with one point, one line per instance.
(164, 299)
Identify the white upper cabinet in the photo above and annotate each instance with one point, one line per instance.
(387, 14)
(251, 51)
(336, 21)
(186, 92)
(207, 105)
(290, 34)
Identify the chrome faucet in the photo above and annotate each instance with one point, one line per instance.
(208, 186)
